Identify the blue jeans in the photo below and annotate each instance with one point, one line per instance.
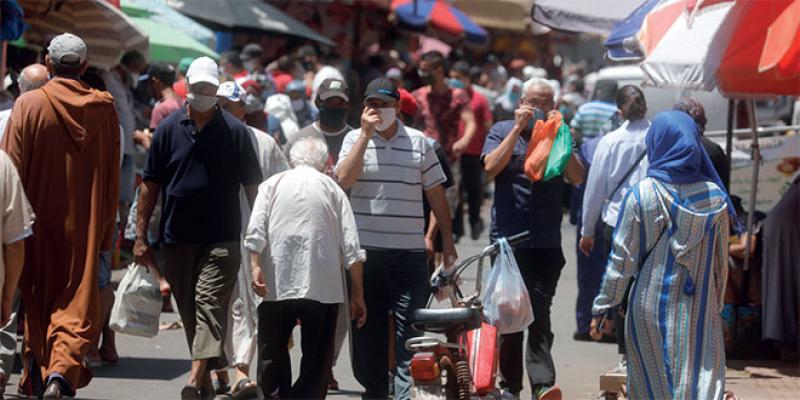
(395, 280)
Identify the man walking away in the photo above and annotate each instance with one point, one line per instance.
(304, 220)
(618, 163)
(593, 119)
(241, 343)
(31, 77)
(199, 159)
(387, 167)
(64, 139)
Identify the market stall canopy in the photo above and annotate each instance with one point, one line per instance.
(12, 24)
(590, 16)
(439, 16)
(245, 14)
(744, 48)
(621, 43)
(157, 11)
(498, 14)
(108, 33)
(171, 45)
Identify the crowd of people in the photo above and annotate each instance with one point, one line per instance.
(263, 202)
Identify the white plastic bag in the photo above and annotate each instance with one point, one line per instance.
(137, 303)
(506, 303)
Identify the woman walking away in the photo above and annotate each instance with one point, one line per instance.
(672, 239)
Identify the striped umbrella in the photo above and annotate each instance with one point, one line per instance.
(439, 16)
(108, 33)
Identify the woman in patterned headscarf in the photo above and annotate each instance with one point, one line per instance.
(672, 238)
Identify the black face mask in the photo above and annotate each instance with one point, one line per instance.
(308, 65)
(332, 117)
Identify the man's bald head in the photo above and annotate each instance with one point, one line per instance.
(32, 77)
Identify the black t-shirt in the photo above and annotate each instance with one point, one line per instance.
(200, 173)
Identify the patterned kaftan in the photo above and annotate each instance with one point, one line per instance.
(673, 331)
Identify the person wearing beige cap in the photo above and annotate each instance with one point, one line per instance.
(198, 160)
(241, 343)
(64, 139)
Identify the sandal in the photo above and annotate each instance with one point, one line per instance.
(244, 389)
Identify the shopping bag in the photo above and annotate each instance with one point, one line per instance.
(137, 303)
(559, 153)
(539, 146)
(506, 303)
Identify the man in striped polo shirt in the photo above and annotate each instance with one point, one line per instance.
(387, 167)
(594, 119)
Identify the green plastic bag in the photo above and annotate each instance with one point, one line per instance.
(559, 153)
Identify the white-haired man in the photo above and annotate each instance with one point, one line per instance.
(522, 205)
(303, 221)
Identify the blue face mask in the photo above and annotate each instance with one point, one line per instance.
(456, 84)
(538, 115)
(514, 97)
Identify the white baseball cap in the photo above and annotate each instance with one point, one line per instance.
(67, 49)
(203, 69)
(232, 91)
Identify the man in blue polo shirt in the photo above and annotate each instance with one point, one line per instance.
(521, 205)
(199, 158)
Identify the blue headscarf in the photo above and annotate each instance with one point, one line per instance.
(676, 155)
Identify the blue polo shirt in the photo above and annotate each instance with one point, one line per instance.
(200, 173)
(520, 204)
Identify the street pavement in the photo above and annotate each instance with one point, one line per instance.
(158, 368)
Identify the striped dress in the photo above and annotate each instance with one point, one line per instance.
(673, 331)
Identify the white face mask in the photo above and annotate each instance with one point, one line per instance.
(298, 104)
(201, 103)
(388, 116)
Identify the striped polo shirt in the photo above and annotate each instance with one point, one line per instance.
(387, 197)
(593, 119)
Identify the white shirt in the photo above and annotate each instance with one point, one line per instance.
(16, 219)
(324, 73)
(387, 196)
(613, 157)
(303, 221)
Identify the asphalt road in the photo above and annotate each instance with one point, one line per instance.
(158, 368)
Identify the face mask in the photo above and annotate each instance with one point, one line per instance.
(426, 77)
(538, 115)
(298, 104)
(388, 116)
(201, 103)
(252, 103)
(456, 84)
(250, 66)
(308, 66)
(332, 117)
(514, 97)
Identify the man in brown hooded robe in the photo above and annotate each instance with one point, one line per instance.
(64, 141)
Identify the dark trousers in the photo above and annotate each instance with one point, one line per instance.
(395, 280)
(590, 276)
(276, 320)
(540, 269)
(472, 184)
(617, 314)
(202, 277)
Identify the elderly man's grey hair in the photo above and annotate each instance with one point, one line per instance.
(310, 151)
(540, 83)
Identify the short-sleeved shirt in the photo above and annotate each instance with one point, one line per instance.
(17, 216)
(200, 173)
(520, 204)
(483, 113)
(593, 119)
(387, 197)
(439, 115)
(163, 109)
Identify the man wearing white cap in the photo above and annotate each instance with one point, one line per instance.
(64, 141)
(199, 159)
(241, 343)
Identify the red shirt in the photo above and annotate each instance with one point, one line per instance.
(480, 107)
(163, 109)
(439, 116)
(179, 87)
(281, 80)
